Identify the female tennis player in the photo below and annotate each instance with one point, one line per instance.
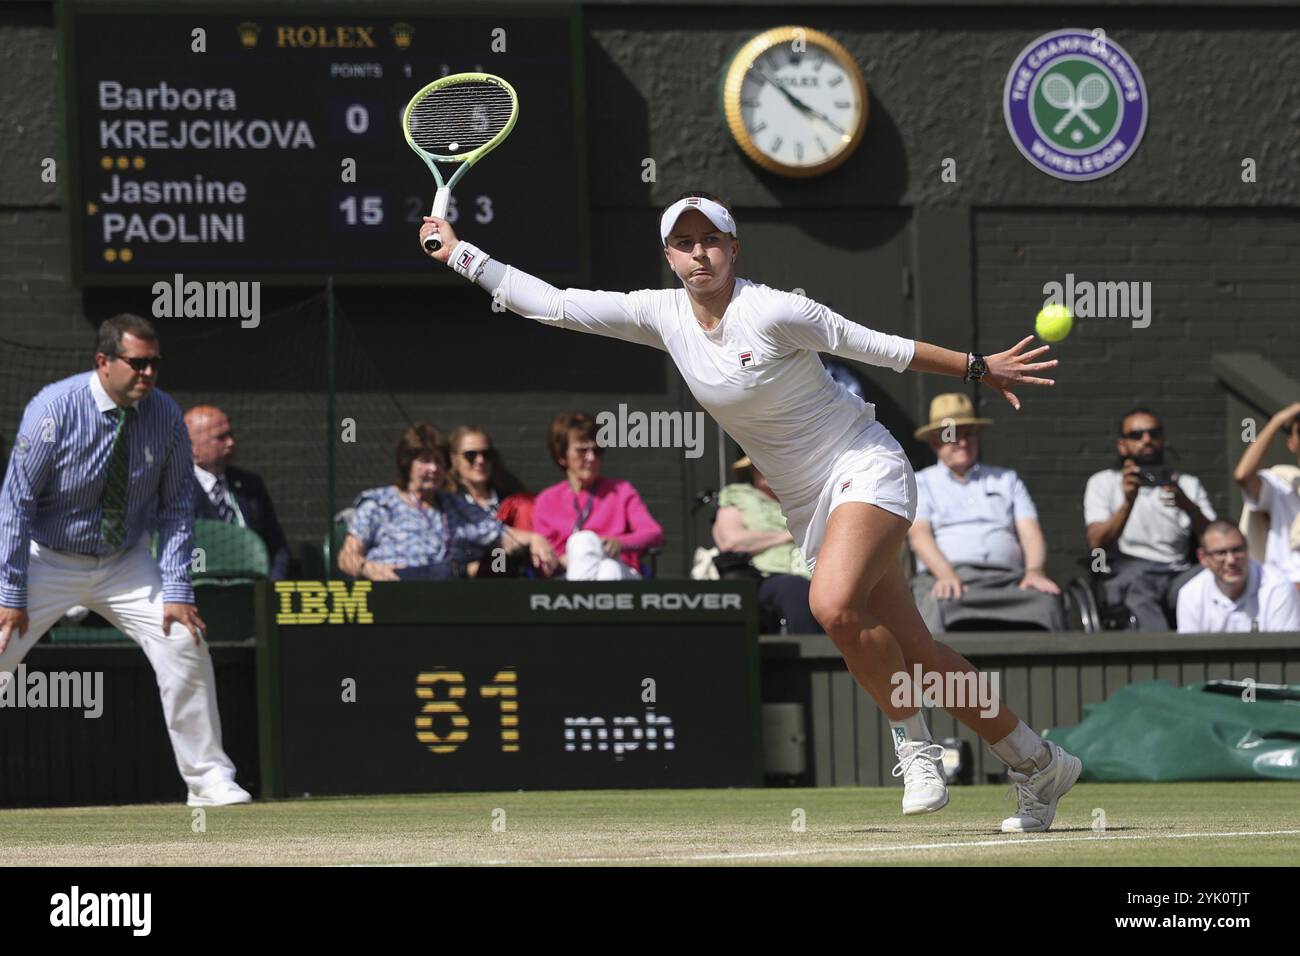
(749, 354)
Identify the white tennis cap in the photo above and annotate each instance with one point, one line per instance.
(716, 213)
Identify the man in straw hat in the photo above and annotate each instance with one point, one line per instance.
(979, 548)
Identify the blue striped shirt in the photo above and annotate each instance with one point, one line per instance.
(56, 479)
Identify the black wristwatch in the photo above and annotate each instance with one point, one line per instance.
(976, 367)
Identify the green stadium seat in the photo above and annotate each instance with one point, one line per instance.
(331, 547)
(231, 554)
(78, 634)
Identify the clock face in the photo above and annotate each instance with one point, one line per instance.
(801, 107)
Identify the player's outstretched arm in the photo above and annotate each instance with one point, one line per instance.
(1005, 368)
(618, 315)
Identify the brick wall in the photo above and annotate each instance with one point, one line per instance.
(1221, 280)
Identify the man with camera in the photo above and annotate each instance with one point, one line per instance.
(1146, 517)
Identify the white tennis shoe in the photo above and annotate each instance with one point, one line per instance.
(221, 794)
(925, 788)
(1037, 794)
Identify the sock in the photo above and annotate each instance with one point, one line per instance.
(1022, 750)
(910, 729)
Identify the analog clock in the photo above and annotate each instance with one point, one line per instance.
(795, 101)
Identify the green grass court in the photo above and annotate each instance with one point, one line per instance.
(1181, 824)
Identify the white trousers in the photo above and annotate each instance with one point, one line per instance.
(588, 561)
(126, 588)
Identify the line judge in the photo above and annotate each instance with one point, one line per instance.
(101, 461)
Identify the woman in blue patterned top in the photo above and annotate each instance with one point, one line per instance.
(416, 529)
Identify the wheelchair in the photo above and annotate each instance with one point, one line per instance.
(1086, 607)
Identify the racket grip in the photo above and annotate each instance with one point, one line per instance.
(440, 202)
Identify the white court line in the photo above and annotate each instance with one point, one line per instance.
(832, 851)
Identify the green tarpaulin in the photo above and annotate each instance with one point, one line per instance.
(1153, 731)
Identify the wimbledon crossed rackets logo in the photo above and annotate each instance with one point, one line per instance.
(1060, 94)
(1075, 104)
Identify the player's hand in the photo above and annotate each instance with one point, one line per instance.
(543, 555)
(13, 625)
(1039, 582)
(188, 615)
(448, 236)
(1010, 367)
(1131, 481)
(949, 586)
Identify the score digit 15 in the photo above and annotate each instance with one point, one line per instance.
(366, 210)
(442, 690)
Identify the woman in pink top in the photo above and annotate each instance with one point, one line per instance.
(598, 526)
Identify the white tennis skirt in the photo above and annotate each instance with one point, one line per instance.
(872, 469)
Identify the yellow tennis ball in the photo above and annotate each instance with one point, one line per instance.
(1053, 323)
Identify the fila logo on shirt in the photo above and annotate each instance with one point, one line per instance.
(746, 359)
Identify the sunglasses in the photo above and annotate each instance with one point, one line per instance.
(1136, 434)
(473, 455)
(594, 450)
(1218, 554)
(140, 364)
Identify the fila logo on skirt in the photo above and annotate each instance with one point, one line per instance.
(845, 486)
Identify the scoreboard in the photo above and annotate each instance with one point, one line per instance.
(422, 686)
(267, 143)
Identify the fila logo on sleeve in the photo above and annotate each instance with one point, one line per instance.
(746, 359)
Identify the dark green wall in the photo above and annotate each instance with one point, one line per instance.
(1223, 256)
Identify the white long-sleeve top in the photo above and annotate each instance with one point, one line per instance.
(757, 372)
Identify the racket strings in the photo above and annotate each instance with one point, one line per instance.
(467, 114)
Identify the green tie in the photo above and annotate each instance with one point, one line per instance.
(113, 525)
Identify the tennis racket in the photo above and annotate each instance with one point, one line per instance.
(1061, 94)
(458, 119)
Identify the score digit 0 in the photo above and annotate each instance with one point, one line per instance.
(504, 687)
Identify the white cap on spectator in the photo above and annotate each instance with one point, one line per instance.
(716, 213)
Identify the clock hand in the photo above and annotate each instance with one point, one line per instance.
(795, 101)
(825, 119)
(798, 103)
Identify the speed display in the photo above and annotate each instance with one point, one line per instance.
(270, 144)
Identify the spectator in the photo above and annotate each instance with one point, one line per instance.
(980, 551)
(415, 530)
(1234, 592)
(600, 527)
(225, 493)
(1270, 494)
(480, 477)
(1145, 517)
(749, 520)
